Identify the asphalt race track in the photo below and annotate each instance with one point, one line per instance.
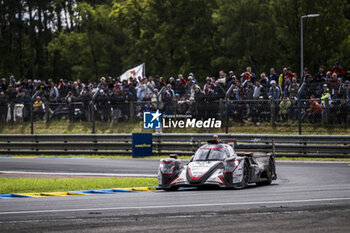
(307, 197)
(81, 165)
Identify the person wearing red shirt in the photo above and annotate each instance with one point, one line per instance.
(338, 70)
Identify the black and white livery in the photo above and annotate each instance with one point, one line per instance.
(217, 164)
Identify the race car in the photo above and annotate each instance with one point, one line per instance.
(217, 164)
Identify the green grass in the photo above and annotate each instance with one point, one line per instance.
(66, 127)
(30, 185)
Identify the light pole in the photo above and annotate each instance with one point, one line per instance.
(302, 63)
(301, 42)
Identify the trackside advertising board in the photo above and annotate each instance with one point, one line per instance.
(141, 144)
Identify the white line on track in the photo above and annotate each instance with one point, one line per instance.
(178, 206)
(78, 174)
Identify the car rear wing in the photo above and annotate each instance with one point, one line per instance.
(233, 144)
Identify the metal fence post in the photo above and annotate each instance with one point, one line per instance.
(299, 116)
(132, 113)
(226, 106)
(221, 105)
(299, 106)
(326, 112)
(31, 117)
(47, 107)
(89, 117)
(226, 115)
(273, 112)
(92, 117)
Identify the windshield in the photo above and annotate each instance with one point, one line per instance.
(204, 154)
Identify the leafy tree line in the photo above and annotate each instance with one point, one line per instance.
(86, 39)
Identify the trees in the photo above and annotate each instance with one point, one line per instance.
(91, 51)
(322, 35)
(170, 36)
(246, 35)
(89, 38)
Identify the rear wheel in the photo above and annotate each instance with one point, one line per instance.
(269, 174)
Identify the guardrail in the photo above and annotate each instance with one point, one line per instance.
(183, 144)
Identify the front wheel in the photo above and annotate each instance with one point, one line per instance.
(246, 176)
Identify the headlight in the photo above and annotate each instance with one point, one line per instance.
(230, 166)
(167, 168)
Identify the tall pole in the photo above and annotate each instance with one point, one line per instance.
(228, 93)
(31, 117)
(92, 117)
(302, 64)
(301, 49)
(301, 42)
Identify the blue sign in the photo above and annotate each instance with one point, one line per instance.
(152, 120)
(141, 144)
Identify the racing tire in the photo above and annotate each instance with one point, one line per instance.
(270, 174)
(246, 176)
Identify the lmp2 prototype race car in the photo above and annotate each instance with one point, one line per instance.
(217, 164)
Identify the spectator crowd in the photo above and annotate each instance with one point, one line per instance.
(248, 97)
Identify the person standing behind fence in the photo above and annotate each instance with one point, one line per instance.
(199, 105)
(248, 75)
(285, 86)
(342, 112)
(24, 98)
(293, 110)
(3, 85)
(70, 98)
(274, 91)
(293, 88)
(3, 106)
(310, 87)
(167, 98)
(333, 87)
(150, 85)
(102, 105)
(140, 90)
(337, 69)
(283, 108)
(29, 87)
(179, 88)
(259, 90)
(264, 81)
(231, 79)
(320, 75)
(325, 95)
(274, 95)
(344, 91)
(281, 76)
(102, 83)
(273, 76)
(53, 93)
(38, 108)
(314, 112)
